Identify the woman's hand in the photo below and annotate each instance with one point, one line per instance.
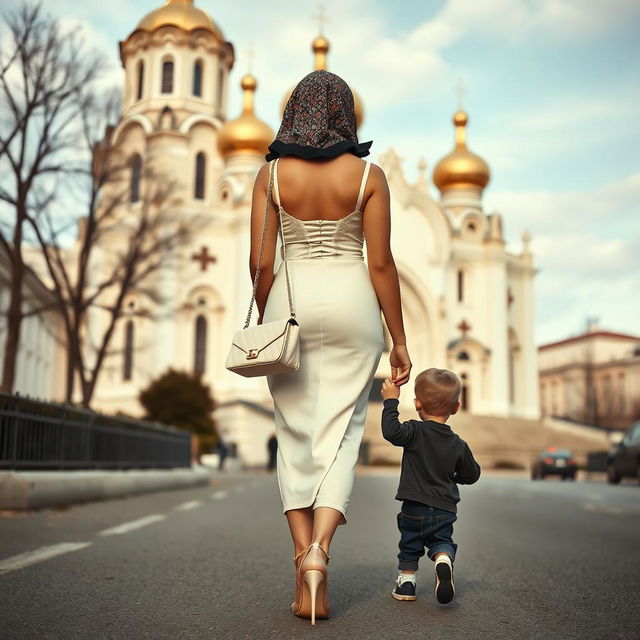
(400, 364)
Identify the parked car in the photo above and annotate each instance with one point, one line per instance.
(553, 461)
(624, 458)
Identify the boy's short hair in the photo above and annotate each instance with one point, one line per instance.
(438, 391)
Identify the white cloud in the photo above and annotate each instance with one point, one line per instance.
(587, 247)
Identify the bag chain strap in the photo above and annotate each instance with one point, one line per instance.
(284, 249)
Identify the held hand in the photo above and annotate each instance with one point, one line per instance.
(400, 364)
(389, 390)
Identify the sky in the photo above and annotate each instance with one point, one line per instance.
(551, 87)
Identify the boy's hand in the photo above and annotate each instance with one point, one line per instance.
(389, 389)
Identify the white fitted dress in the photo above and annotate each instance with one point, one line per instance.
(320, 409)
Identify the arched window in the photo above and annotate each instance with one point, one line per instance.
(167, 76)
(200, 176)
(464, 393)
(136, 170)
(220, 81)
(460, 285)
(197, 78)
(199, 360)
(140, 80)
(128, 350)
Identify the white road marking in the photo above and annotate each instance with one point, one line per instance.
(130, 526)
(43, 553)
(185, 506)
(603, 508)
(218, 495)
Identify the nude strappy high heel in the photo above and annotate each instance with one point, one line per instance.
(314, 602)
(296, 603)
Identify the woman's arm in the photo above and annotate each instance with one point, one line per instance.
(382, 268)
(258, 202)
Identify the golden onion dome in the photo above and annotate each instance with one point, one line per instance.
(179, 13)
(461, 168)
(320, 48)
(246, 133)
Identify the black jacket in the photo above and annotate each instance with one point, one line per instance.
(434, 462)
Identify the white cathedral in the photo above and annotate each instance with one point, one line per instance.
(467, 302)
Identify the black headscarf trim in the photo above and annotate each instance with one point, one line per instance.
(278, 148)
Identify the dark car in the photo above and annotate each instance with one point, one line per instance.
(554, 462)
(624, 458)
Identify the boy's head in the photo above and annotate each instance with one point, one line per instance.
(437, 392)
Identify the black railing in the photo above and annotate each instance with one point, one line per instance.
(44, 435)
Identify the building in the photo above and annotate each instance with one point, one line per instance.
(40, 362)
(468, 303)
(593, 377)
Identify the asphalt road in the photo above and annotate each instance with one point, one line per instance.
(544, 559)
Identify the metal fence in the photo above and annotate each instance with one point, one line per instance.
(42, 435)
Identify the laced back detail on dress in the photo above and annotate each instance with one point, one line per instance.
(321, 237)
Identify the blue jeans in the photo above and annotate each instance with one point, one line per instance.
(421, 525)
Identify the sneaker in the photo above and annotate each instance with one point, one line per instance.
(404, 590)
(444, 580)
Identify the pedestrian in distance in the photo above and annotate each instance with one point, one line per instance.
(272, 448)
(435, 461)
(323, 200)
(223, 451)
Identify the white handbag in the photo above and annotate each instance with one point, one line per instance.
(270, 347)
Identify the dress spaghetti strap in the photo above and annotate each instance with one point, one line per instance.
(276, 191)
(362, 184)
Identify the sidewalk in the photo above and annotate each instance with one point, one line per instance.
(36, 489)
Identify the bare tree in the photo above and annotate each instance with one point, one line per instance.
(73, 195)
(44, 76)
(118, 250)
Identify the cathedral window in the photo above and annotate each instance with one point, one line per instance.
(464, 393)
(200, 345)
(128, 350)
(197, 78)
(136, 171)
(167, 76)
(220, 81)
(460, 285)
(140, 80)
(200, 176)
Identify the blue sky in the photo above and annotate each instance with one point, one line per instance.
(553, 95)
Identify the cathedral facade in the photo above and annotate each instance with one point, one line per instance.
(467, 302)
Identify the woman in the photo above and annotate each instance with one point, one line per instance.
(321, 408)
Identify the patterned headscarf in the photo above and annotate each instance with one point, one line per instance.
(319, 120)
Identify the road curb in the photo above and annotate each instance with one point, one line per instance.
(36, 489)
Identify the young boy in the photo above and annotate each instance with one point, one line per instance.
(435, 460)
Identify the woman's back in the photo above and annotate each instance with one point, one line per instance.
(321, 188)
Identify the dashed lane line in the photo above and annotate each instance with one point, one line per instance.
(219, 495)
(130, 526)
(38, 555)
(186, 506)
(606, 508)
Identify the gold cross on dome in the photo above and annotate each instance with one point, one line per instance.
(459, 90)
(250, 55)
(321, 18)
(464, 327)
(203, 258)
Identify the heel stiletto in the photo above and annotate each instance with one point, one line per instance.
(313, 578)
(314, 584)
